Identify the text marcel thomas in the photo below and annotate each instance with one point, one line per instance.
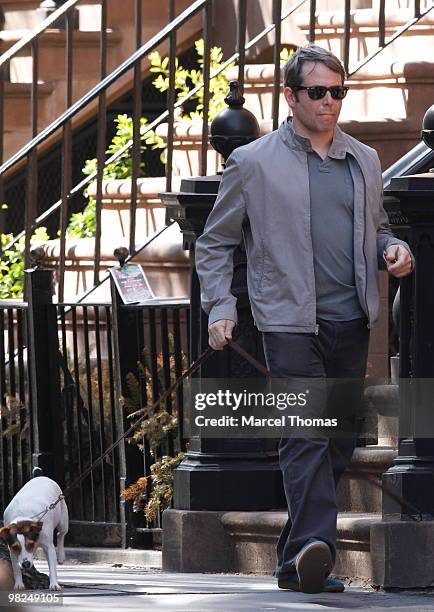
(230, 400)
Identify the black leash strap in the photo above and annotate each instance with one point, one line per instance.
(194, 366)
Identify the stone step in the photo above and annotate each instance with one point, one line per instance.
(245, 542)
(116, 206)
(254, 536)
(17, 107)
(51, 49)
(23, 15)
(359, 489)
(17, 113)
(414, 44)
(368, 548)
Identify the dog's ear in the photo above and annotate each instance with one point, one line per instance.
(9, 534)
(4, 533)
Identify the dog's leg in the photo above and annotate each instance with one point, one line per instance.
(62, 528)
(18, 577)
(50, 553)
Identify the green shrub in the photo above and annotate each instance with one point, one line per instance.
(82, 224)
(12, 263)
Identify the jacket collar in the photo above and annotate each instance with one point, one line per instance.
(338, 149)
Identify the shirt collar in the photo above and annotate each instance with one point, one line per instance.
(338, 149)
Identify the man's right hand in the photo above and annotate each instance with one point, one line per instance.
(220, 332)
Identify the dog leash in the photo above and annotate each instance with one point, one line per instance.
(195, 366)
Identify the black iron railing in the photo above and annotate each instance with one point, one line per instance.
(89, 408)
(70, 375)
(15, 426)
(131, 352)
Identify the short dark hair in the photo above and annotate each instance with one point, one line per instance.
(311, 53)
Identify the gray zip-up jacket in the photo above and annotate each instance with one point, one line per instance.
(264, 196)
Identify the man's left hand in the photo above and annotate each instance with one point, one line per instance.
(398, 261)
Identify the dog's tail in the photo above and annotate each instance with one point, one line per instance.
(37, 471)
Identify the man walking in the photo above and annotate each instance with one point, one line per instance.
(307, 199)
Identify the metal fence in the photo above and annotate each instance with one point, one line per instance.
(89, 408)
(70, 375)
(15, 423)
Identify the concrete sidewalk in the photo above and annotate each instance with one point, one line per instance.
(105, 587)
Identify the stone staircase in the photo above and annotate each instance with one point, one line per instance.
(387, 99)
(21, 18)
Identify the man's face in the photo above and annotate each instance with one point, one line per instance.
(315, 116)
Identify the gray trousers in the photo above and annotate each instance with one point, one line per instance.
(312, 466)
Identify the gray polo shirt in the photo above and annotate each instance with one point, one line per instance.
(332, 226)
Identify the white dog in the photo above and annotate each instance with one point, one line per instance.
(27, 527)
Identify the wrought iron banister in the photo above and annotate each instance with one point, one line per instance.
(105, 83)
(35, 33)
(382, 42)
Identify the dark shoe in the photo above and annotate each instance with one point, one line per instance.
(313, 564)
(291, 582)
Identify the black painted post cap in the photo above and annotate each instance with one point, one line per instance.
(121, 254)
(428, 127)
(234, 126)
(37, 256)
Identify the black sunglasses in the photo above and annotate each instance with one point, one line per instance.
(316, 92)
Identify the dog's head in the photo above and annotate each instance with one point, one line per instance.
(22, 539)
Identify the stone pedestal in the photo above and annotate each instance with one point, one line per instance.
(220, 474)
(393, 544)
(412, 476)
(407, 529)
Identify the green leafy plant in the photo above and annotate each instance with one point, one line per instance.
(186, 80)
(285, 54)
(121, 168)
(12, 263)
(82, 224)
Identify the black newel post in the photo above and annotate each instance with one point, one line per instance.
(223, 474)
(412, 476)
(43, 362)
(128, 341)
